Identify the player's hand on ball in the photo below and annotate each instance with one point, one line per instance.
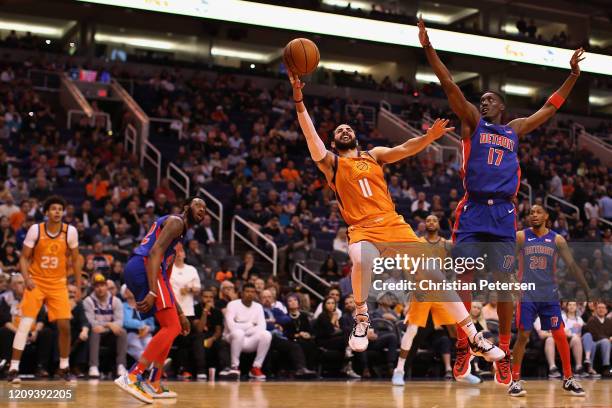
(185, 325)
(576, 58)
(439, 129)
(423, 37)
(297, 86)
(146, 304)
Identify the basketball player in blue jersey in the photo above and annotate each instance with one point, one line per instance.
(486, 216)
(538, 249)
(147, 276)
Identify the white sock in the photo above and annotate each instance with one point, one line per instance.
(14, 365)
(470, 330)
(63, 363)
(361, 309)
(401, 362)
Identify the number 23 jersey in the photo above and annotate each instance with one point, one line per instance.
(48, 267)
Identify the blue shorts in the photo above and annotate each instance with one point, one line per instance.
(135, 275)
(482, 229)
(549, 313)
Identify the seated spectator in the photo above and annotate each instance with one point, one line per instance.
(332, 292)
(275, 321)
(573, 330)
(298, 329)
(105, 315)
(290, 173)
(549, 348)
(204, 232)
(596, 339)
(245, 330)
(247, 267)
(341, 240)
(97, 188)
(102, 261)
(489, 311)
(8, 208)
(227, 293)
(79, 332)
(329, 270)
(208, 330)
(9, 258)
(165, 190)
(139, 332)
(194, 254)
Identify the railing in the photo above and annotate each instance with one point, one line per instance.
(550, 197)
(151, 154)
(173, 124)
(273, 259)
(369, 113)
(130, 142)
(604, 221)
(298, 276)
(215, 215)
(40, 79)
(529, 194)
(92, 119)
(184, 186)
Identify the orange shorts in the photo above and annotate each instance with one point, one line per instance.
(388, 229)
(56, 299)
(419, 312)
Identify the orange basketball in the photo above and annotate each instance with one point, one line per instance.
(301, 56)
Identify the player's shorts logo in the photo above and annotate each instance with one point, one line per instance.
(508, 261)
(554, 321)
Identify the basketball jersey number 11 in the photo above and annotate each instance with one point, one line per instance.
(365, 187)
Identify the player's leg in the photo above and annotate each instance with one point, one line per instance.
(30, 306)
(58, 308)
(526, 313)
(362, 256)
(158, 349)
(405, 346)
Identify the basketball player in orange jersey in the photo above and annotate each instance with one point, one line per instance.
(43, 265)
(357, 178)
(491, 179)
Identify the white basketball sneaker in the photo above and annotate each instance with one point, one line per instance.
(358, 340)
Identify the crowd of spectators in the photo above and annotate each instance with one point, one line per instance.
(243, 144)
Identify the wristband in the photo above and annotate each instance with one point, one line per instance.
(301, 100)
(152, 293)
(556, 100)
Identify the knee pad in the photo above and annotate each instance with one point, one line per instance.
(21, 336)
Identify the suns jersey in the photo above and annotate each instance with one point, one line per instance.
(538, 265)
(48, 267)
(361, 189)
(490, 161)
(149, 240)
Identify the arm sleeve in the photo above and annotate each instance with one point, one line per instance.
(72, 237)
(31, 236)
(261, 318)
(230, 313)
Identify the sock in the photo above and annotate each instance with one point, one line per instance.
(155, 376)
(462, 340)
(563, 348)
(63, 363)
(14, 365)
(469, 329)
(516, 371)
(361, 309)
(137, 369)
(401, 362)
(504, 342)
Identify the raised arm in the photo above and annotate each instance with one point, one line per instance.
(566, 254)
(411, 147)
(462, 108)
(320, 155)
(172, 228)
(522, 126)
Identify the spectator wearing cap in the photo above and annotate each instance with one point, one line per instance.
(105, 315)
(139, 331)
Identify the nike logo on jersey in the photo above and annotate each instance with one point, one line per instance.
(511, 211)
(487, 124)
(509, 132)
(530, 239)
(547, 240)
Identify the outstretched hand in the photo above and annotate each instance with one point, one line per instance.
(297, 86)
(423, 37)
(439, 129)
(576, 58)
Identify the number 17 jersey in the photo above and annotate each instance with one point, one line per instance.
(490, 162)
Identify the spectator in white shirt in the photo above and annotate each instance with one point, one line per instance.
(573, 330)
(421, 198)
(335, 293)
(185, 282)
(245, 330)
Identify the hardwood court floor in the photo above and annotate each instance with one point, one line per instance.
(329, 394)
